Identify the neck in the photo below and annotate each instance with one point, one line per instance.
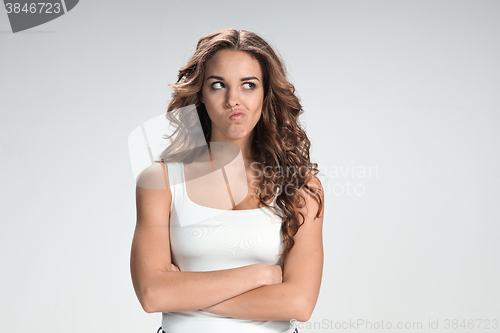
(245, 145)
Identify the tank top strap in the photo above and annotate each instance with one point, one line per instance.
(172, 176)
(174, 179)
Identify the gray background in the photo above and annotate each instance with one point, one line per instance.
(409, 88)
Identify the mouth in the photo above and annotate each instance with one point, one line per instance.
(235, 115)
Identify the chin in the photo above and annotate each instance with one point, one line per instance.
(235, 135)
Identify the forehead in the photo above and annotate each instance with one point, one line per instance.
(228, 63)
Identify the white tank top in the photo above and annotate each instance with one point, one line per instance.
(224, 239)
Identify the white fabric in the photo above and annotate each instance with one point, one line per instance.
(224, 239)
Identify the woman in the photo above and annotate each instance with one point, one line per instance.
(255, 266)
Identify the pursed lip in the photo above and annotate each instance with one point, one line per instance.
(235, 113)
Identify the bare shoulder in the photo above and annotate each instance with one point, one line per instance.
(154, 177)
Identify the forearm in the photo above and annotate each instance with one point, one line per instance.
(282, 301)
(173, 291)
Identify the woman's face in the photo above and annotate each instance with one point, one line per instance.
(233, 94)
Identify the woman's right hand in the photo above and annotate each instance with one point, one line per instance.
(272, 274)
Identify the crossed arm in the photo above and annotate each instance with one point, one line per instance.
(255, 292)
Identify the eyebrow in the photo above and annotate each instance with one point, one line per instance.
(242, 79)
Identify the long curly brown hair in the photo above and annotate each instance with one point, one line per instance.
(280, 146)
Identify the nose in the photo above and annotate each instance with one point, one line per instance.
(233, 97)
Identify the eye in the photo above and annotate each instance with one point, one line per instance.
(217, 85)
(249, 85)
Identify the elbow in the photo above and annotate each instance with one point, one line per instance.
(154, 297)
(147, 299)
(302, 316)
(155, 300)
(303, 309)
(148, 307)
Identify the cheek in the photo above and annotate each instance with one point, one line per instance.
(259, 103)
(211, 98)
